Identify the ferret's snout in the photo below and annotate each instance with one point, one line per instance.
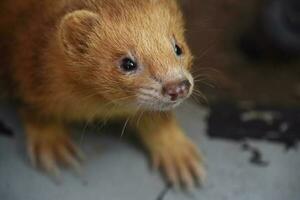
(177, 90)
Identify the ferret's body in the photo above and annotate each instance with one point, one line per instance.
(86, 60)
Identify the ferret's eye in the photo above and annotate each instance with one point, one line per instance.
(128, 65)
(178, 50)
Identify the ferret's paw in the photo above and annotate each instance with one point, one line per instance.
(48, 154)
(181, 164)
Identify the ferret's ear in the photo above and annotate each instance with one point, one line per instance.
(76, 29)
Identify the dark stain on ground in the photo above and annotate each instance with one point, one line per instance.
(162, 195)
(6, 131)
(232, 121)
(237, 122)
(256, 155)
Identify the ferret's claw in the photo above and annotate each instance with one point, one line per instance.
(49, 165)
(181, 165)
(69, 157)
(170, 171)
(31, 150)
(48, 154)
(75, 150)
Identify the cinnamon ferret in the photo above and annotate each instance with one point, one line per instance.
(87, 60)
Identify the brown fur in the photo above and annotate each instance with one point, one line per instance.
(63, 60)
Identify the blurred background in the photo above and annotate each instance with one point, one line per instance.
(238, 48)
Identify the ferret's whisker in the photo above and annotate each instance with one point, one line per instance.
(201, 95)
(197, 91)
(150, 89)
(203, 76)
(106, 115)
(196, 100)
(146, 90)
(100, 125)
(124, 127)
(83, 132)
(204, 82)
(206, 70)
(204, 52)
(139, 118)
(149, 96)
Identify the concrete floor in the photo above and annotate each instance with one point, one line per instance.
(117, 170)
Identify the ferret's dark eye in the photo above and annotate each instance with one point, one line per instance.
(178, 50)
(128, 65)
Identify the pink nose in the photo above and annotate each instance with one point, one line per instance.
(177, 90)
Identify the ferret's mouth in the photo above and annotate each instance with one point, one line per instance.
(151, 99)
(158, 106)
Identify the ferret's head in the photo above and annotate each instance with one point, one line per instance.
(130, 51)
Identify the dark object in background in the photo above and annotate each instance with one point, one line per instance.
(277, 32)
(281, 21)
(236, 122)
(4, 130)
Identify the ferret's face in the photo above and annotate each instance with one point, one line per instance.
(156, 76)
(137, 57)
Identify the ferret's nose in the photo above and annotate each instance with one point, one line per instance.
(177, 90)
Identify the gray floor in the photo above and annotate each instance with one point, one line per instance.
(117, 170)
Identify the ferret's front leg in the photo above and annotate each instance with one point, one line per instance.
(49, 145)
(170, 149)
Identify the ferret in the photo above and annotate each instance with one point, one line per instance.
(93, 60)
